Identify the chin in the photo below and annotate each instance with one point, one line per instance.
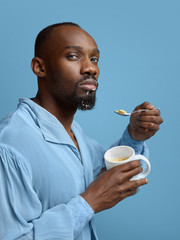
(87, 103)
(85, 107)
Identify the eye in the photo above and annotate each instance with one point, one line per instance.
(94, 59)
(72, 56)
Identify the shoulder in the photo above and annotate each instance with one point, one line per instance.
(15, 126)
(11, 159)
(11, 122)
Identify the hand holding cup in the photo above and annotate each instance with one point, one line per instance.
(118, 183)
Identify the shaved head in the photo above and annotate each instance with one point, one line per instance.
(44, 34)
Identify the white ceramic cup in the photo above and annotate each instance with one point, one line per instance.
(126, 152)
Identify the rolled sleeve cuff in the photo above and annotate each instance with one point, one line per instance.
(139, 147)
(82, 213)
(128, 140)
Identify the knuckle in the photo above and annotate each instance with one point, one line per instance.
(155, 127)
(134, 191)
(119, 178)
(157, 120)
(131, 192)
(121, 189)
(135, 184)
(152, 119)
(158, 111)
(146, 103)
(140, 169)
(133, 164)
(115, 170)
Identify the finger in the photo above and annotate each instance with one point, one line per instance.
(131, 185)
(129, 174)
(153, 119)
(124, 195)
(148, 133)
(128, 194)
(146, 130)
(127, 166)
(145, 105)
(153, 112)
(149, 125)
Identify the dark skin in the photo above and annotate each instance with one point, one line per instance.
(145, 124)
(69, 54)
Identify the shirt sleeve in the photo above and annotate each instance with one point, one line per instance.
(21, 210)
(82, 213)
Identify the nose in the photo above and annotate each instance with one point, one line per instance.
(89, 68)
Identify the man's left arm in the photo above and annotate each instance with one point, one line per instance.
(143, 125)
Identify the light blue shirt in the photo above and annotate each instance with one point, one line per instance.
(42, 175)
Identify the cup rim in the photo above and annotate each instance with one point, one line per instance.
(120, 146)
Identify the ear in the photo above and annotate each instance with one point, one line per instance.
(38, 67)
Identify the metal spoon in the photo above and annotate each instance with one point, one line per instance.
(125, 114)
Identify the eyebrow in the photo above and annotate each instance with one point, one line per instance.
(81, 48)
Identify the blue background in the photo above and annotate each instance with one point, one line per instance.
(139, 42)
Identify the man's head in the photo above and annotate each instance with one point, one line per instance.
(66, 64)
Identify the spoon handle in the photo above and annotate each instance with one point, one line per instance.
(143, 110)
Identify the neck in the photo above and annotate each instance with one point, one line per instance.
(65, 114)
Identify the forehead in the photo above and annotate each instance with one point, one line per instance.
(64, 36)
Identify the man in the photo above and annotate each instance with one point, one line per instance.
(47, 164)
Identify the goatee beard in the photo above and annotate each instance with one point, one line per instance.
(88, 102)
(83, 103)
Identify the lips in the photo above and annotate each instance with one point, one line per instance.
(88, 85)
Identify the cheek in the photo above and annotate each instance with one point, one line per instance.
(66, 78)
(70, 74)
(72, 69)
(68, 68)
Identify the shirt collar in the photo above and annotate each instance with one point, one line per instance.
(51, 128)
